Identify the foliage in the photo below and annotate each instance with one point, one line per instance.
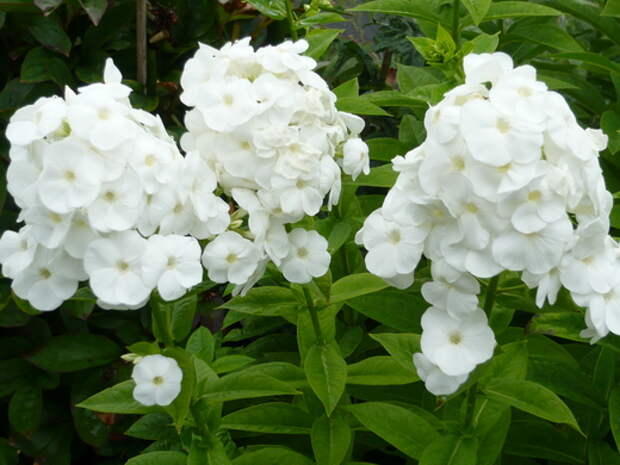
(320, 373)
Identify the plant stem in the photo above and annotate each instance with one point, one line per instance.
(201, 421)
(161, 320)
(141, 58)
(489, 301)
(314, 316)
(291, 19)
(455, 21)
(471, 405)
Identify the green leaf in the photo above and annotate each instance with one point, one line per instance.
(531, 398)
(326, 372)
(612, 8)
(232, 362)
(614, 415)
(600, 453)
(117, 399)
(356, 285)
(159, 458)
(179, 409)
(182, 315)
(331, 438)
(50, 34)
(265, 301)
(610, 124)
(451, 450)
(566, 325)
(272, 456)
(8, 454)
(25, 6)
(393, 308)
(74, 352)
(400, 346)
(405, 430)
(505, 10)
(319, 41)
(202, 344)
(94, 9)
(270, 418)
(411, 77)
(550, 36)
(360, 106)
(25, 408)
(275, 9)
(41, 65)
(592, 59)
(477, 9)
(321, 18)
(152, 427)
(348, 89)
(386, 148)
(492, 422)
(338, 236)
(381, 176)
(245, 385)
(419, 9)
(485, 43)
(47, 6)
(379, 371)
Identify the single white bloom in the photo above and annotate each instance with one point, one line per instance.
(17, 250)
(307, 257)
(521, 94)
(114, 266)
(158, 380)
(486, 67)
(356, 158)
(48, 228)
(172, 263)
(435, 380)
(230, 258)
(456, 346)
(547, 285)
(36, 121)
(79, 236)
(71, 177)
(49, 280)
(455, 292)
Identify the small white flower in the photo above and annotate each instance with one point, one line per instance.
(49, 280)
(114, 266)
(172, 263)
(307, 257)
(355, 159)
(435, 380)
(456, 346)
(230, 257)
(455, 292)
(158, 380)
(36, 121)
(17, 251)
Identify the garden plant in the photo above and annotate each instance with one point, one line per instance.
(281, 232)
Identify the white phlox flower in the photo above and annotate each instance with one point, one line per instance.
(158, 380)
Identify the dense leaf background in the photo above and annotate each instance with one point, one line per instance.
(258, 383)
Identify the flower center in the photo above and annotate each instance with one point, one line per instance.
(172, 262)
(458, 163)
(504, 168)
(69, 175)
(109, 196)
(158, 380)
(456, 338)
(587, 261)
(302, 252)
(231, 258)
(122, 266)
(503, 126)
(300, 184)
(56, 218)
(472, 207)
(178, 208)
(45, 273)
(149, 160)
(23, 244)
(104, 113)
(525, 92)
(245, 145)
(228, 100)
(534, 196)
(394, 236)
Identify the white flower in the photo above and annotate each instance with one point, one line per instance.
(71, 176)
(49, 280)
(497, 139)
(158, 380)
(17, 251)
(307, 257)
(451, 290)
(230, 257)
(355, 159)
(173, 264)
(456, 346)
(114, 266)
(48, 228)
(486, 67)
(547, 285)
(36, 121)
(520, 93)
(435, 380)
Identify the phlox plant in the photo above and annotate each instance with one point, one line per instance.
(274, 278)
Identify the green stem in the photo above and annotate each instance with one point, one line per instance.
(201, 421)
(291, 19)
(455, 21)
(314, 316)
(471, 405)
(161, 320)
(489, 301)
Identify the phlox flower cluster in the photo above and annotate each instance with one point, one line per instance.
(506, 180)
(267, 126)
(93, 177)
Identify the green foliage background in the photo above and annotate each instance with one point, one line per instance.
(266, 383)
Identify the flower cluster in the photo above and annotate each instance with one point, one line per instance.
(506, 180)
(89, 172)
(106, 195)
(267, 125)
